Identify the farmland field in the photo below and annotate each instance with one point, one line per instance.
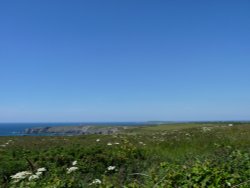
(178, 155)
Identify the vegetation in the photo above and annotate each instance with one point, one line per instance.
(182, 155)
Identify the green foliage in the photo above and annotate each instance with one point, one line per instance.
(215, 157)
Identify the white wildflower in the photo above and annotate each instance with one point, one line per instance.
(97, 140)
(117, 143)
(41, 170)
(111, 168)
(74, 163)
(21, 175)
(109, 144)
(230, 125)
(205, 129)
(33, 177)
(142, 143)
(39, 173)
(71, 169)
(96, 181)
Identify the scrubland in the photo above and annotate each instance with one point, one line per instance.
(179, 155)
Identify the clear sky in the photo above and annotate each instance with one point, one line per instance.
(124, 60)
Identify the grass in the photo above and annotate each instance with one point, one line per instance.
(177, 155)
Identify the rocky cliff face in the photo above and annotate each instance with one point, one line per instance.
(74, 130)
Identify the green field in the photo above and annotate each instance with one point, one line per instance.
(178, 155)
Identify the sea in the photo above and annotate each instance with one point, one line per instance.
(17, 129)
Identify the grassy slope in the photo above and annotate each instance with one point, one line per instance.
(140, 150)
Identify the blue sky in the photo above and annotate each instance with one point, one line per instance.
(124, 60)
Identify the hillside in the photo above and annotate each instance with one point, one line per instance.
(178, 155)
(75, 130)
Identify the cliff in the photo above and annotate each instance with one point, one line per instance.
(75, 130)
